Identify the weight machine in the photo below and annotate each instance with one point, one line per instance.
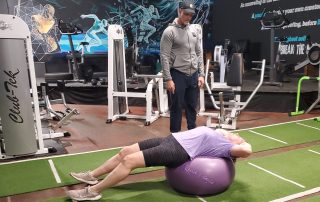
(229, 111)
(19, 109)
(76, 61)
(117, 84)
(220, 57)
(313, 58)
(59, 79)
(60, 116)
(273, 20)
(70, 30)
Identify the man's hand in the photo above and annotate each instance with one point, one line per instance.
(200, 81)
(170, 86)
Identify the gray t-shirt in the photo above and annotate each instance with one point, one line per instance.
(204, 141)
(181, 49)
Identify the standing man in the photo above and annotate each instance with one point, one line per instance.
(182, 63)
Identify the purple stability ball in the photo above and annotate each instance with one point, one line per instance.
(202, 176)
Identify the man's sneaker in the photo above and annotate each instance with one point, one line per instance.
(85, 177)
(83, 195)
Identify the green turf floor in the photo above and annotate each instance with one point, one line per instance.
(251, 184)
(28, 176)
(282, 135)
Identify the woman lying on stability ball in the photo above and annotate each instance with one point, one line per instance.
(170, 151)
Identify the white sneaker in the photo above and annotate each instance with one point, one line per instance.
(83, 195)
(85, 177)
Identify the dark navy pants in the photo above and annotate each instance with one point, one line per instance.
(185, 95)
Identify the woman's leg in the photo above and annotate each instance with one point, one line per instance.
(168, 153)
(114, 161)
(123, 169)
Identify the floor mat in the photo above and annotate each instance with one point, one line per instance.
(32, 175)
(282, 135)
(282, 176)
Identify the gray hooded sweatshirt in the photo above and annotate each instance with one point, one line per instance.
(181, 48)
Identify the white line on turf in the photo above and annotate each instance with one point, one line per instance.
(297, 195)
(54, 171)
(278, 176)
(301, 124)
(63, 155)
(314, 151)
(201, 199)
(276, 124)
(268, 137)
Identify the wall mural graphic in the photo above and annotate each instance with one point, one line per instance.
(147, 19)
(41, 22)
(145, 15)
(91, 36)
